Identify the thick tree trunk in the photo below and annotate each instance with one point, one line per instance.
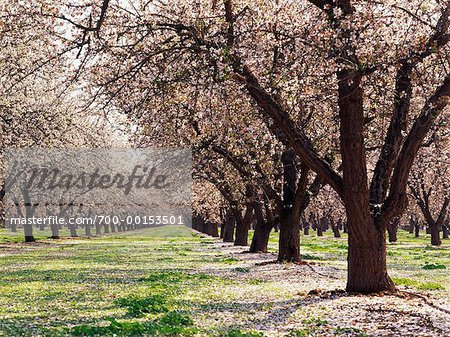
(367, 270)
(241, 234)
(435, 237)
(263, 228)
(260, 238)
(289, 242)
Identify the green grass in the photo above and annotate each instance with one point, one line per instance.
(163, 282)
(410, 257)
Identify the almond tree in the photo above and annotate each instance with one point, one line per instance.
(430, 186)
(363, 67)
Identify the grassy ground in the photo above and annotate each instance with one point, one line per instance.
(170, 281)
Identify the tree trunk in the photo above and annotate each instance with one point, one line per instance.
(213, 229)
(345, 227)
(243, 226)
(335, 229)
(289, 242)
(289, 239)
(87, 230)
(319, 226)
(229, 226)
(222, 228)
(392, 230)
(260, 238)
(435, 237)
(416, 229)
(367, 270)
(28, 232)
(306, 230)
(445, 231)
(263, 228)
(55, 231)
(411, 227)
(73, 231)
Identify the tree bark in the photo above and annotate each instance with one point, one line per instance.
(263, 228)
(392, 230)
(335, 228)
(243, 226)
(435, 236)
(28, 232)
(73, 231)
(417, 229)
(367, 270)
(229, 226)
(55, 231)
(289, 239)
(213, 229)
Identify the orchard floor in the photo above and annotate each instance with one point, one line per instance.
(170, 281)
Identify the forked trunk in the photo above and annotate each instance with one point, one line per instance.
(367, 271)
